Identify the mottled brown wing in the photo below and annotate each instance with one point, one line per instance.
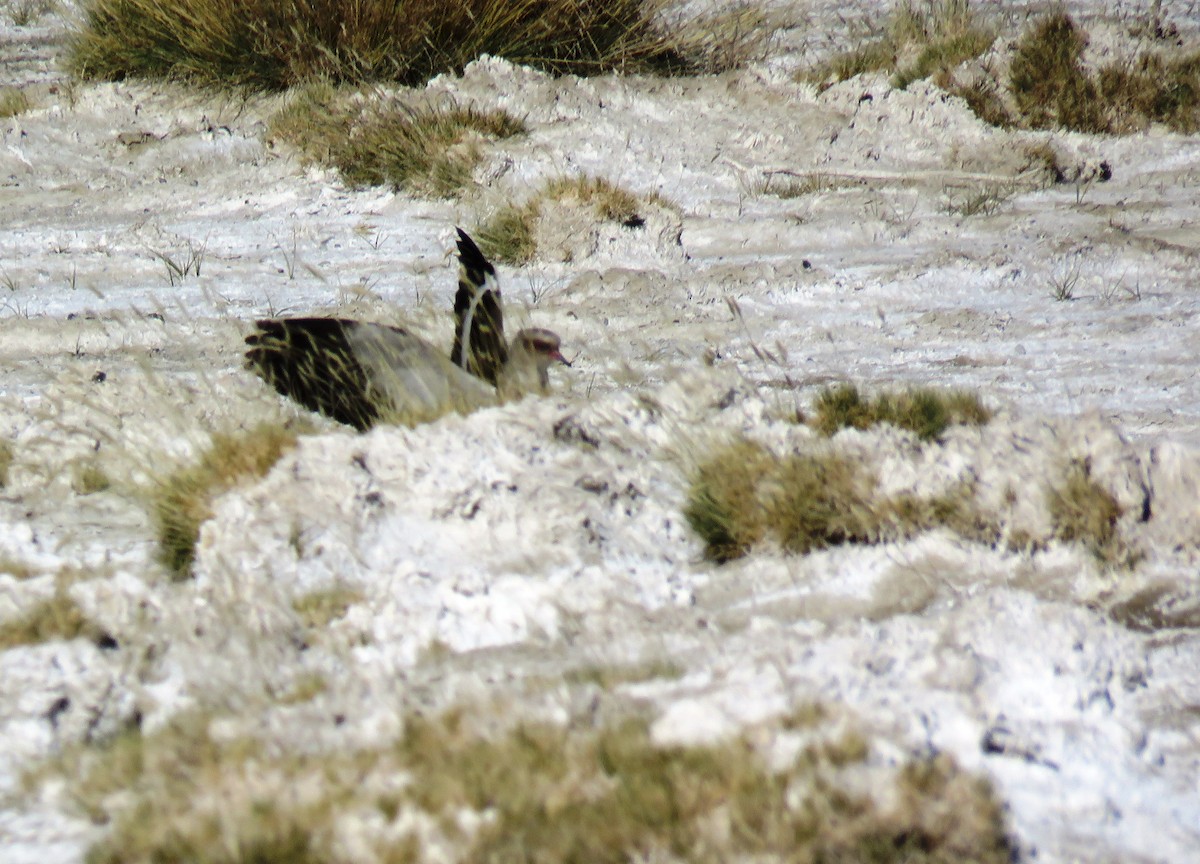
(478, 314)
(311, 361)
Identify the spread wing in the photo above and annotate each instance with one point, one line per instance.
(360, 373)
(478, 315)
(311, 361)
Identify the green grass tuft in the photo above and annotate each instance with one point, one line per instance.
(277, 44)
(182, 501)
(924, 411)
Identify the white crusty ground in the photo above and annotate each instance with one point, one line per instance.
(525, 541)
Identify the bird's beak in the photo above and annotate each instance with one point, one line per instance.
(557, 355)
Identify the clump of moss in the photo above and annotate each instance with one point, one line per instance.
(924, 411)
(509, 235)
(182, 501)
(1082, 511)
(428, 150)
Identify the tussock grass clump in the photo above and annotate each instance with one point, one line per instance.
(49, 621)
(510, 234)
(922, 410)
(743, 494)
(1051, 87)
(1082, 511)
(276, 44)
(1047, 79)
(724, 505)
(918, 41)
(550, 794)
(425, 150)
(182, 501)
(13, 101)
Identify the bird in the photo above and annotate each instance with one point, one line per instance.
(362, 373)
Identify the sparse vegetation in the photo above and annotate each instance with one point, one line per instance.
(90, 479)
(26, 12)
(7, 454)
(1051, 87)
(743, 494)
(183, 500)
(922, 410)
(277, 44)
(425, 150)
(1082, 511)
(51, 620)
(979, 201)
(918, 41)
(510, 236)
(550, 794)
(13, 101)
(318, 608)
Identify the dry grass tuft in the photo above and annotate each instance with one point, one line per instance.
(58, 618)
(607, 794)
(922, 410)
(725, 506)
(509, 236)
(1082, 511)
(182, 501)
(277, 44)
(426, 150)
(1051, 87)
(318, 608)
(742, 494)
(1047, 79)
(918, 41)
(7, 455)
(13, 101)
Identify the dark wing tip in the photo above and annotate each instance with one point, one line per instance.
(469, 254)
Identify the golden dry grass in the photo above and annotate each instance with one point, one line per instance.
(595, 794)
(277, 44)
(925, 411)
(182, 501)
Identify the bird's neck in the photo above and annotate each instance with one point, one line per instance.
(524, 373)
